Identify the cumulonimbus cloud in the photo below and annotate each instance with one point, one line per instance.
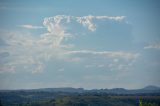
(86, 21)
(57, 31)
(32, 51)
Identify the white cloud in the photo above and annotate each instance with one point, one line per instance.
(89, 66)
(153, 46)
(29, 53)
(56, 29)
(116, 18)
(61, 69)
(109, 60)
(55, 23)
(31, 26)
(86, 21)
(112, 54)
(26, 52)
(38, 69)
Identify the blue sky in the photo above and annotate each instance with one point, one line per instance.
(85, 43)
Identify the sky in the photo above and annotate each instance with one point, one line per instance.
(89, 44)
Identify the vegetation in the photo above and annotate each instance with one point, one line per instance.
(45, 98)
(147, 104)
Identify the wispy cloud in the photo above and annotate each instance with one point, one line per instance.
(61, 69)
(25, 52)
(115, 18)
(3, 8)
(153, 46)
(112, 54)
(31, 26)
(110, 60)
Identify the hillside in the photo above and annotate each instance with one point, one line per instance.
(79, 97)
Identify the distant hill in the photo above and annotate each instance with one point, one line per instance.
(79, 97)
(151, 87)
(147, 89)
(65, 89)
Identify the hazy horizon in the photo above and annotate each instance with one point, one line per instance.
(81, 88)
(87, 44)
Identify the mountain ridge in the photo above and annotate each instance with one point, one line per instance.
(147, 89)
